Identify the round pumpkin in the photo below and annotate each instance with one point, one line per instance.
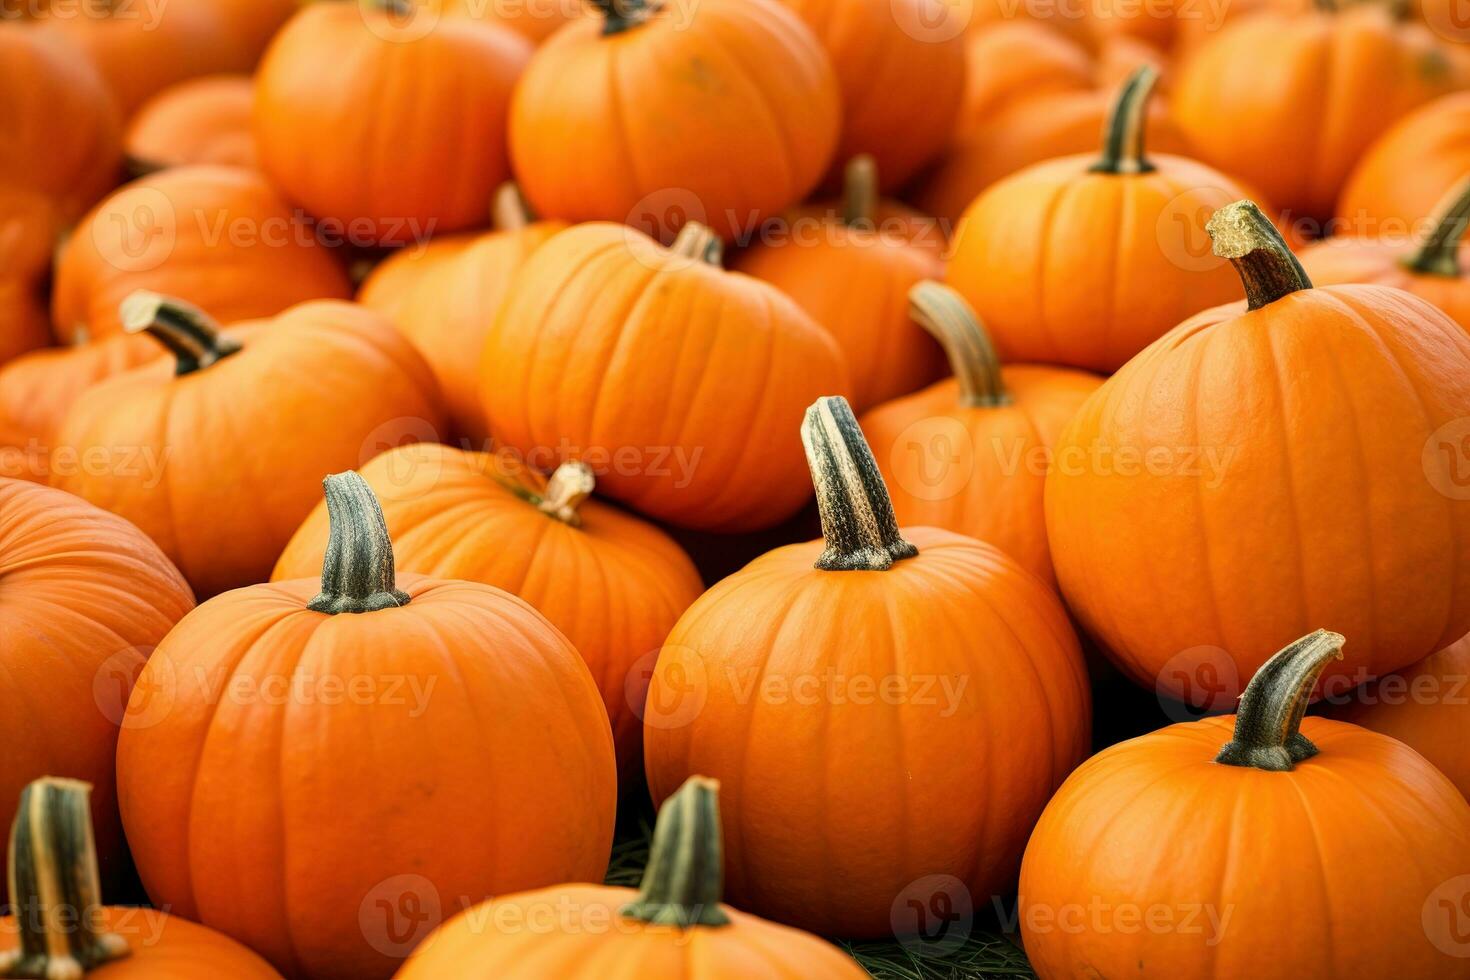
(1085, 260)
(722, 112)
(674, 925)
(252, 23)
(414, 747)
(201, 121)
(1012, 61)
(85, 597)
(1315, 849)
(401, 132)
(65, 931)
(217, 452)
(29, 227)
(637, 360)
(390, 282)
(219, 235)
(970, 453)
(827, 686)
(1067, 19)
(38, 389)
(1265, 465)
(1407, 170)
(853, 276)
(535, 20)
(612, 583)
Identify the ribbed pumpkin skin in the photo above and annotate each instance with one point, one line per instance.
(165, 947)
(499, 778)
(980, 472)
(220, 236)
(400, 130)
(1289, 488)
(392, 281)
(1323, 871)
(85, 597)
(1405, 172)
(725, 112)
(746, 948)
(201, 121)
(608, 343)
(1343, 260)
(1338, 80)
(1070, 267)
(236, 473)
(831, 808)
(37, 389)
(615, 586)
(1010, 62)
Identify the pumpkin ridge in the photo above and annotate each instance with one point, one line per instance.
(763, 101)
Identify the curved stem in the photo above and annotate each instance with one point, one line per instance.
(357, 572)
(510, 210)
(1267, 268)
(686, 869)
(185, 330)
(857, 515)
(1268, 724)
(623, 15)
(695, 241)
(860, 191)
(1123, 133)
(1439, 255)
(569, 485)
(54, 892)
(945, 314)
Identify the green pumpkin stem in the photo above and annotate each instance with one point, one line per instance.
(569, 485)
(695, 241)
(54, 892)
(1439, 255)
(187, 331)
(685, 878)
(623, 15)
(860, 192)
(357, 572)
(1123, 133)
(945, 314)
(510, 211)
(1268, 723)
(1266, 266)
(857, 515)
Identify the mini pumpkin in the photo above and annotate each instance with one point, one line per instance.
(201, 121)
(1314, 848)
(29, 227)
(1012, 61)
(635, 359)
(827, 686)
(219, 475)
(1406, 171)
(428, 738)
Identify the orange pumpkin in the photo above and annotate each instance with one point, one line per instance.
(735, 118)
(220, 235)
(424, 154)
(1316, 849)
(1085, 260)
(970, 453)
(1407, 170)
(535, 20)
(29, 227)
(1266, 465)
(827, 684)
(1067, 19)
(1120, 55)
(178, 441)
(612, 583)
(64, 930)
(1012, 61)
(673, 926)
(852, 275)
(22, 455)
(252, 23)
(635, 359)
(389, 283)
(85, 596)
(1191, 32)
(1340, 78)
(201, 121)
(415, 746)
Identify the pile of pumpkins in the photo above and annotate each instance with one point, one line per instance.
(426, 426)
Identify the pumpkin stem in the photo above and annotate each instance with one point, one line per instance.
(685, 878)
(1439, 255)
(54, 892)
(510, 210)
(1267, 268)
(695, 241)
(187, 331)
(857, 515)
(1268, 725)
(1123, 133)
(357, 572)
(569, 485)
(945, 314)
(624, 15)
(860, 191)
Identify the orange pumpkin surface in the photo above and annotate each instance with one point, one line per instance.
(252, 23)
(535, 20)
(1067, 19)
(1407, 170)
(29, 227)
(389, 284)
(201, 121)
(1012, 61)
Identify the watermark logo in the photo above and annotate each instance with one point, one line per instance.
(1198, 682)
(1446, 917)
(933, 916)
(1446, 459)
(681, 692)
(398, 913)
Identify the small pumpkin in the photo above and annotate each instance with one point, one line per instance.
(1406, 171)
(390, 282)
(64, 930)
(29, 227)
(853, 276)
(1085, 260)
(1069, 20)
(1267, 464)
(1315, 848)
(612, 583)
(674, 925)
(724, 113)
(218, 475)
(252, 24)
(635, 359)
(201, 121)
(1011, 61)
(970, 453)
(404, 162)
(827, 684)
(220, 235)
(437, 739)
